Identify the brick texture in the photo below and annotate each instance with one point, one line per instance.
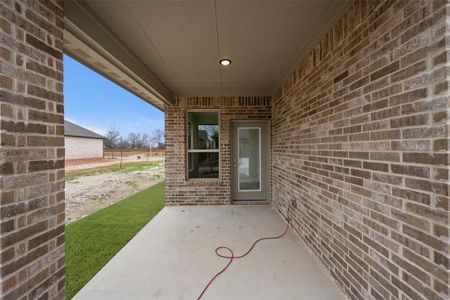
(180, 191)
(360, 141)
(31, 150)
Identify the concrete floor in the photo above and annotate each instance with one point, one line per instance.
(172, 257)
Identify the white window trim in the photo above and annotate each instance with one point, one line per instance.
(201, 150)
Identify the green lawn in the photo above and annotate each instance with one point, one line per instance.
(92, 241)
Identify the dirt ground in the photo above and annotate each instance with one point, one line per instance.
(87, 194)
(73, 165)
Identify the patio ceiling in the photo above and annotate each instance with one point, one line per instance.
(161, 49)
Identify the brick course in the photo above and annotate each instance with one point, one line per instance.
(32, 150)
(180, 191)
(360, 141)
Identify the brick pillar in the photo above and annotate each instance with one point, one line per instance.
(32, 150)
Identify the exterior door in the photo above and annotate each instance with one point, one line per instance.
(250, 160)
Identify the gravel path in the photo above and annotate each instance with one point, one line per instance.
(87, 194)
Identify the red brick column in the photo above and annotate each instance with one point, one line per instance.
(32, 150)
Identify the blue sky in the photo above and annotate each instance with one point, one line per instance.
(96, 103)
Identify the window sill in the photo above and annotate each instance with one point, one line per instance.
(201, 181)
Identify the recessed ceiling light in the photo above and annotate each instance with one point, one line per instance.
(225, 62)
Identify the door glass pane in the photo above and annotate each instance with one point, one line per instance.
(249, 159)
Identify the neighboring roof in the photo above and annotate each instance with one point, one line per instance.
(71, 129)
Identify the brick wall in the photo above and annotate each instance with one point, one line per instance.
(180, 191)
(32, 150)
(359, 138)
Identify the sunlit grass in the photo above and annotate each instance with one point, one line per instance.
(92, 241)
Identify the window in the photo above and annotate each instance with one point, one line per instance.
(203, 144)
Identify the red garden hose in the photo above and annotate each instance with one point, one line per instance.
(231, 256)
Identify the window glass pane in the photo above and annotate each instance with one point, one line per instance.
(207, 137)
(203, 130)
(203, 165)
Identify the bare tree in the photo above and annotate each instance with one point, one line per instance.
(112, 137)
(135, 140)
(146, 140)
(123, 143)
(157, 138)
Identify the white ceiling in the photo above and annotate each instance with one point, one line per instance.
(181, 42)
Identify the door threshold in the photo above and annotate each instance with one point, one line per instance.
(250, 202)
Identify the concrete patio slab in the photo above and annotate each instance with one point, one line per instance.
(173, 257)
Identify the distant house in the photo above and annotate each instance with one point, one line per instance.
(81, 142)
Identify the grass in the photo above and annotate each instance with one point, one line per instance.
(92, 241)
(126, 167)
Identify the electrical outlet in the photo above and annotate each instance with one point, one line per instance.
(294, 203)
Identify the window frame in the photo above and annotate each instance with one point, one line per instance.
(187, 150)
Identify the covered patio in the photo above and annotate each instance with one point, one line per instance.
(172, 257)
(337, 109)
